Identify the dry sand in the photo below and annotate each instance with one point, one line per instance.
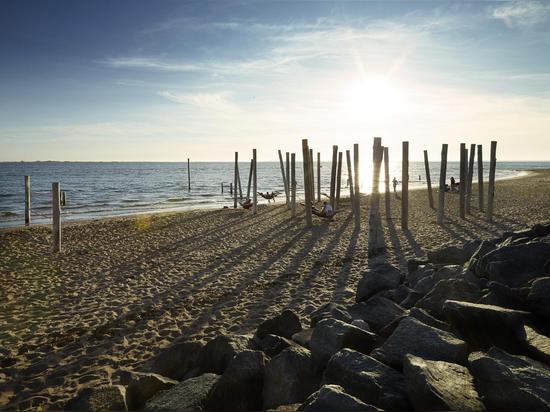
(124, 288)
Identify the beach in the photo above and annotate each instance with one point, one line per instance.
(123, 288)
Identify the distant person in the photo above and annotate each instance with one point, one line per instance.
(453, 184)
(247, 204)
(394, 181)
(326, 211)
(419, 178)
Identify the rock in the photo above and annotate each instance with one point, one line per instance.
(455, 289)
(329, 310)
(484, 247)
(380, 277)
(539, 297)
(361, 324)
(240, 387)
(286, 408)
(377, 312)
(538, 230)
(501, 295)
(272, 345)
(143, 386)
(454, 272)
(424, 285)
(177, 360)
(453, 255)
(483, 326)
(412, 298)
(367, 379)
(506, 382)
(534, 344)
(414, 337)
(331, 335)
(515, 265)
(290, 377)
(217, 353)
(423, 271)
(103, 398)
(303, 337)
(286, 324)
(429, 320)
(471, 247)
(440, 386)
(188, 395)
(333, 398)
(414, 264)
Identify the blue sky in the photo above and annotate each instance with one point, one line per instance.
(167, 80)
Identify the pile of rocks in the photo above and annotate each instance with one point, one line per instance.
(465, 329)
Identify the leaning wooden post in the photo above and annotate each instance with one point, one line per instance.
(442, 180)
(405, 188)
(307, 191)
(56, 217)
(356, 192)
(492, 170)
(318, 176)
(235, 180)
(312, 175)
(333, 175)
(293, 184)
(470, 178)
(188, 175)
(27, 200)
(284, 178)
(462, 186)
(249, 178)
(338, 179)
(254, 183)
(350, 178)
(480, 177)
(288, 184)
(387, 182)
(428, 179)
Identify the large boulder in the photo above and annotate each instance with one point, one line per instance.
(333, 398)
(272, 345)
(429, 320)
(217, 353)
(377, 312)
(440, 386)
(501, 295)
(331, 335)
(483, 326)
(286, 324)
(454, 272)
(538, 230)
(303, 337)
(456, 289)
(290, 377)
(188, 395)
(367, 379)
(413, 277)
(452, 255)
(484, 247)
(424, 285)
(382, 276)
(240, 387)
(534, 344)
(416, 338)
(143, 386)
(539, 297)
(177, 360)
(329, 310)
(509, 383)
(103, 398)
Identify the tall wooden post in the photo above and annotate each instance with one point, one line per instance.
(376, 238)
(470, 178)
(288, 184)
(338, 179)
(239, 182)
(235, 180)
(462, 186)
(254, 183)
(442, 180)
(222, 188)
(56, 217)
(307, 189)
(356, 192)
(350, 179)
(318, 176)
(293, 183)
(312, 175)
(428, 179)
(405, 188)
(333, 175)
(249, 179)
(188, 175)
(480, 177)
(387, 182)
(284, 179)
(27, 200)
(231, 188)
(492, 171)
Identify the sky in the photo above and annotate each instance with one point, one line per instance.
(170, 80)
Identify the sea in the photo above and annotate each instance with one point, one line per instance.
(105, 189)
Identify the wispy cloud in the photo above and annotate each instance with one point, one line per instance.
(218, 102)
(522, 13)
(149, 63)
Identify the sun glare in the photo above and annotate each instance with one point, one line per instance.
(375, 98)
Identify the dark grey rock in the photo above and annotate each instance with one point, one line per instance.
(217, 353)
(414, 264)
(382, 276)
(534, 344)
(416, 338)
(272, 345)
(333, 398)
(423, 271)
(453, 255)
(474, 262)
(377, 312)
(143, 386)
(286, 324)
(412, 298)
(367, 379)
(471, 247)
(501, 295)
(329, 310)
(454, 272)
(539, 297)
(455, 289)
(290, 377)
(508, 383)
(177, 360)
(100, 399)
(424, 285)
(361, 324)
(429, 320)
(440, 386)
(303, 337)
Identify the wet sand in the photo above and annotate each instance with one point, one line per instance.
(123, 288)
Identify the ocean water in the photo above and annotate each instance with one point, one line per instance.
(101, 189)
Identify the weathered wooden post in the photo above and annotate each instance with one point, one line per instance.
(188, 175)
(428, 179)
(63, 198)
(239, 182)
(318, 176)
(288, 184)
(442, 180)
(293, 183)
(254, 183)
(235, 179)
(56, 217)
(333, 175)
(307, 189)
(387, 182)
(27, 200)
(338, 179)
(462, 186)
(222, 188)
(284, 179)
(356, 192)
(250, 178)
(312, 175)
(492, 171)
(376, 238)
(231, 189)
(350, 179)
(470, 178)
(405, 188)
(480, 177)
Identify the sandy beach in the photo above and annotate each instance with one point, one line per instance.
(123, 288)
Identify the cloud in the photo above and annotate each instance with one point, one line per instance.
(522, 13)
(149, 63)
(217, 102)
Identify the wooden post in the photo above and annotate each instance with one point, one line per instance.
(492, 170)
(56, 218)
(312, 175)
(318, 176)
(188, 175)
(293, 183)
(250, 178)
(333, 175)
(470, 178)
(462, 186)
(284, 178)
(27, 200)
(222, 188)
(235, 180)
(254, 183)
(288, 184)
(442, 180)
(405, 188)
(428, 179)
(480, 176)
(387, 182)
(239, 182)
(350, 178)
(231, 189)
(376, 238)
(63, 198)
(356, 192)
(338, 179)
(307, 189)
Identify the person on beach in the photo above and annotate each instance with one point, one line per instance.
(453, 184)
(326, 211)
(247, 204)
(394, 181)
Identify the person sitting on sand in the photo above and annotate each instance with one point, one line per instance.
(326, 211)
(247, 204)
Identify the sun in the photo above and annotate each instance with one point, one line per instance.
(375, 98)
